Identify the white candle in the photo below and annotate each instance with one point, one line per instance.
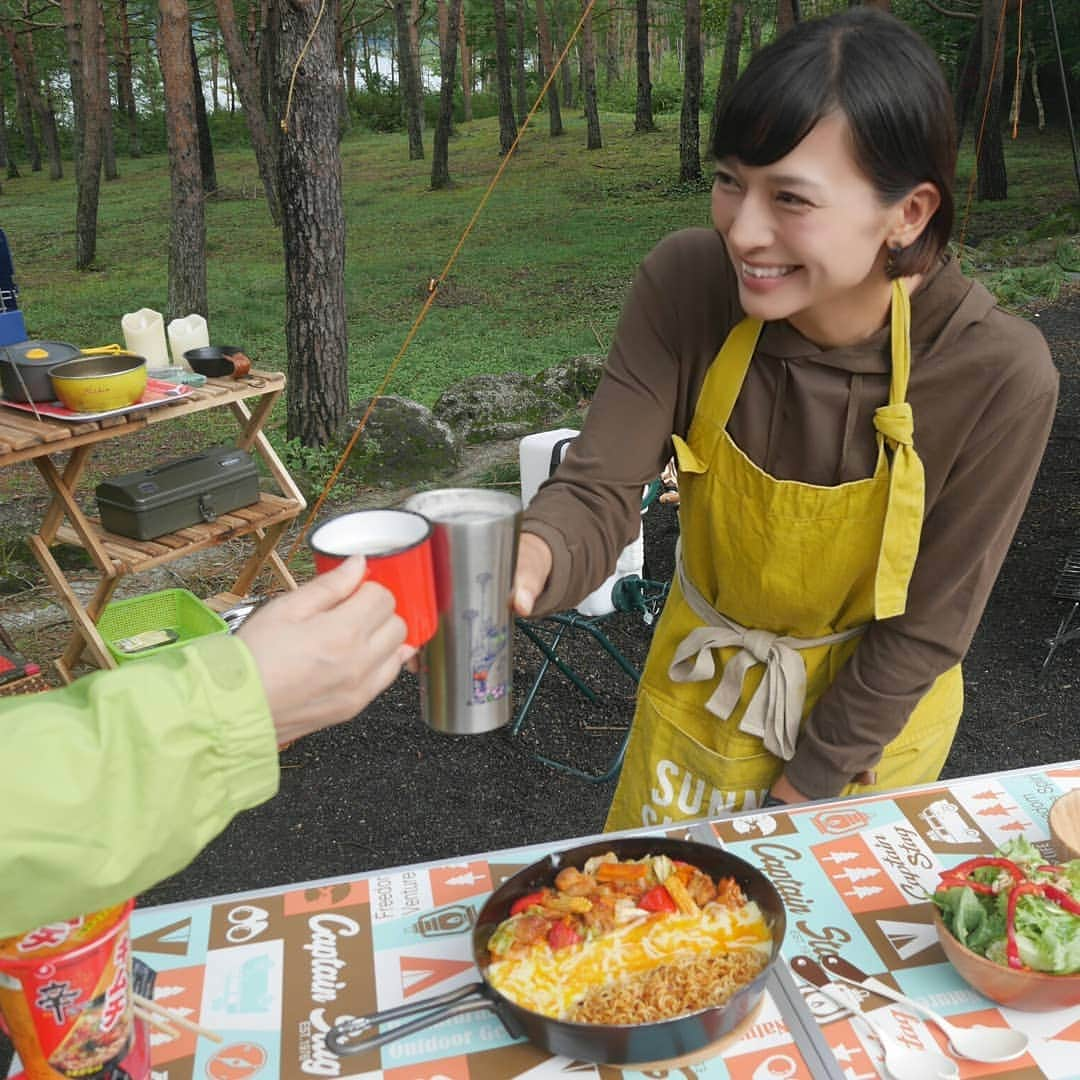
(184, 334)
(144, 334)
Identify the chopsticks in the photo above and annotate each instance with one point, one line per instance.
(162, 1018)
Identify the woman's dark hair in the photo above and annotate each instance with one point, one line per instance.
(884, 79)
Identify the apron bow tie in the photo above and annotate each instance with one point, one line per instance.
(896, 423)
(774, 712)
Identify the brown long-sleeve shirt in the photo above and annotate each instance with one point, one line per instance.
(983, 391)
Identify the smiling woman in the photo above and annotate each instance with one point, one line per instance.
(857, 428)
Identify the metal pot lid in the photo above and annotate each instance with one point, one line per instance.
(36, 353)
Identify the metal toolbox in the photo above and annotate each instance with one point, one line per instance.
(178, 494)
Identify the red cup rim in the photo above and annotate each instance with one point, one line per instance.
(321, 550)
(64, 958)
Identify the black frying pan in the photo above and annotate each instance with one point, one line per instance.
(218, 361)
(612, 1044)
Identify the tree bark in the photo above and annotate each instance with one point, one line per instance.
(547, 65)
(81, 21)
(26, 126)
(407, 77)
(125, 92)
(519, 63)
(786, 16)
(611, 45)
(313, 221)
(466, 68)
(968, 79)
(187, 222)
(252, 98)
(558, 41)
(588, 84)
(992, 183)
(689, 122)
(108, 144)
(415, 15)
(643, 114)
(755, 29)
(202, 126)
(729, 65)
(28, 96)
(440, 154)
(507, 126)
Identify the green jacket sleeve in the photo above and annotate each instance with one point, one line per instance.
(119, 780)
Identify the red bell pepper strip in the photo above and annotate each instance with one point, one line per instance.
(657, 899)
(523, 903)
(1062, 899)
(1012, 950)
(959, 876)
(562, 935)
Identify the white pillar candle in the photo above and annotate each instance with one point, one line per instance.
(144, 334)
(184, 334)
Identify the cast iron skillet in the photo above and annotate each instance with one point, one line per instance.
(613, 1044)
(217, 361)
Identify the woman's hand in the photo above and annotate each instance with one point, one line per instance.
(326, 650)
(784, 790)
(532, 572)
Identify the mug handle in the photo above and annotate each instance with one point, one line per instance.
(241, 364)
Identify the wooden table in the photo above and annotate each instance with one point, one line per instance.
(24, 437)
(270, 971)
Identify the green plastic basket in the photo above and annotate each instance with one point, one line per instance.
(169, 609)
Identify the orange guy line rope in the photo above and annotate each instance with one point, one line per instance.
(435, 289)
(982, 124)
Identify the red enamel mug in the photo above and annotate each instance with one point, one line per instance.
(397, 546)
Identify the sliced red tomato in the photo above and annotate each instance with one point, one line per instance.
(523, 903)
(562, 935)
(657, 899)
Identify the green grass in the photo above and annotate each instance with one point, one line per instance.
(541, 278)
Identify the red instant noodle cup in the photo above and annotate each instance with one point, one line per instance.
(65, 994)
(397, 545)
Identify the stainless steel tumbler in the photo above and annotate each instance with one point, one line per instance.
(466, 670)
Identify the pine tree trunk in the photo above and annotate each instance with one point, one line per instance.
(26, 126)
(968, 80)
(108, 143)
(643, 114)
(588, 84)
(466, 68)
(187, 224)
(26, 84)
(415, 15)
(729, 65)
(206, 145)
(407, 83)
(611, 45)
(251, 98)
(566, 71)
(547, 65)
(755, 29)
(313, 221)
(440, 154)
(992, 183)
(785, 16)
(125, 92)
(507, 126)
(519, 64)
(689, 121)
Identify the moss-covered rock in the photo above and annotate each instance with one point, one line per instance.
(402, 443)
(572, 382)
(485, 407)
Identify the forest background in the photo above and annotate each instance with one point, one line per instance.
(290, 132)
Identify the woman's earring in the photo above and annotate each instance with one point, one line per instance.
(895, 251)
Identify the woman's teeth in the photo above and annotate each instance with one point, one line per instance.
(766, 271)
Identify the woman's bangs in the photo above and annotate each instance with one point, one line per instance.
(766, 118)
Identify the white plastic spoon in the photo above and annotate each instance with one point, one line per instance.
(901, 1062)
(978, 1043)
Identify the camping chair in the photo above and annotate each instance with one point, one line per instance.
(1067, 587)
(630, 589)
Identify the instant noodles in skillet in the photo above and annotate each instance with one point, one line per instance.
(628, 942)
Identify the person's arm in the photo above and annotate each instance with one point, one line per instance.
(119, 780)
(964, 541)
(670, 327)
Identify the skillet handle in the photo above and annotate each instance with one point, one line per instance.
(353, 1036)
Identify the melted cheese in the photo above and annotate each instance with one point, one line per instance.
(551, 983)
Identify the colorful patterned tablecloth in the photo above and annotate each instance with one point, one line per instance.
(273, 971)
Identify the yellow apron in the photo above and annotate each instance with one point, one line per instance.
(777, 580)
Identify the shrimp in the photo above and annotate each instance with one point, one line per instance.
(574, 883)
